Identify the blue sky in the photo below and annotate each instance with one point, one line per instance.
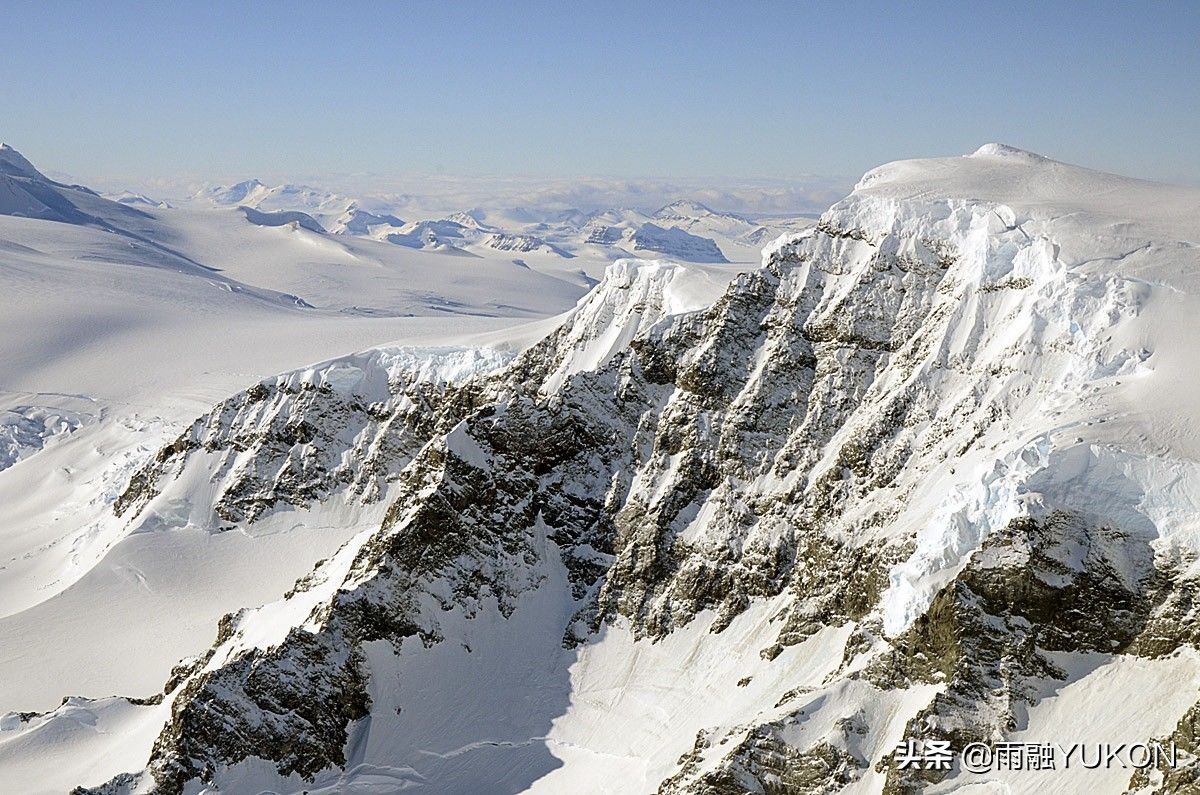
(604, 89)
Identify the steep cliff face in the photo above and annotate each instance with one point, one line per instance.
(910, 479)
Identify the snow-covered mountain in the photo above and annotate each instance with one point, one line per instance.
(282, 218)
(137, 200)
(126, 233)
(928, 473)
(325, 207)
(523, 244)
(26, 192)
(356, 221)
(439, 234)
(697, 219)
(244, 192)
(675, 243)
(685, 230)
(113, 343)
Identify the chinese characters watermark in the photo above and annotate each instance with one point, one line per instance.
(991, 757)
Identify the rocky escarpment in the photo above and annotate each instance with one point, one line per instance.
(880, 432)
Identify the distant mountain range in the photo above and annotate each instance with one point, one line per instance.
(684, 230)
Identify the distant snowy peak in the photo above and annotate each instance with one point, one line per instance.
(468, 220)
(687, 209)
(524, 243)
(572, 218)
(605, 227)
(302, 197)
(677, 244)
(441, 235)
(774, 228)
(1004, 150)
(683, 208)
(136, 200)
(440, 227)
(602, 234)
(617, 217)
(242, 193)
(760, 236)
(282, 218)
(356, 221)
(694, 217)
(325, 207)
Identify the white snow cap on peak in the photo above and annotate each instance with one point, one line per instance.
(1004, 150)
(684, 207)
(1031, 185)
